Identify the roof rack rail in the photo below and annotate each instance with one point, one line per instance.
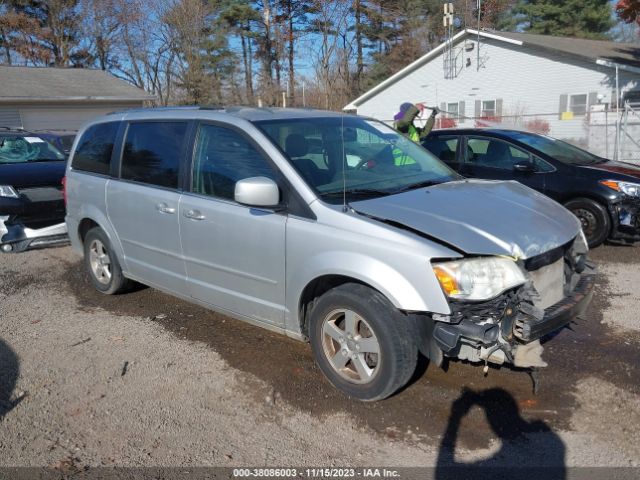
(12, 128)
(169, 108)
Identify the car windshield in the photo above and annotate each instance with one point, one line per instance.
(561, 151)
(362, 156)
(27, 148)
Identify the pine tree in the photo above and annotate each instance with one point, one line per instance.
(570, 18)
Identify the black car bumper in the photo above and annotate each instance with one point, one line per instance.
(18, 238)
(529, 328)
(33, 220)
(626, 220)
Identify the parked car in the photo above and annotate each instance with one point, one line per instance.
(61, 139)
(329, 228)
(31, 203)
(603, 194)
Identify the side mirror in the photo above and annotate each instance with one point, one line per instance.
(257, 192)
(525, 166)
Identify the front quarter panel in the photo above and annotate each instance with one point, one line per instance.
(392, 261)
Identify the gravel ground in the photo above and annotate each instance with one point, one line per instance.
(87, 380)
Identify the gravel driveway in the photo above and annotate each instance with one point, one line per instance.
(144, 379)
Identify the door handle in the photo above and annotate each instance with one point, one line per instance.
(164, 208)
(194, 215)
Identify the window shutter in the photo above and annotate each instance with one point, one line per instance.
(461, 112)
(499, 107)
(564, 102)
(478, 108)
(593, 100)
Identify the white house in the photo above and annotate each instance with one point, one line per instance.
(513, 79)
(61, 98)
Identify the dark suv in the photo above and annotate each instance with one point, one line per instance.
(31, 199)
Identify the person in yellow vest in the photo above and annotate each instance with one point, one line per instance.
(403, 121)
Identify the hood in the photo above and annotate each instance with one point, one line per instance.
(32, 174)
(619, 168)
(480, 217)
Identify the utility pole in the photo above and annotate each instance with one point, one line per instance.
(478, 42)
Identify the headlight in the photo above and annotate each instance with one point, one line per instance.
(8, 191)
(628, 188)
(478, 278)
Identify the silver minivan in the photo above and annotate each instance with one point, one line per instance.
(329, 228)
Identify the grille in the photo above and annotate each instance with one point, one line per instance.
(549, 282)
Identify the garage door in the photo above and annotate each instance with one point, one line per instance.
(10, 117)
(62, 118)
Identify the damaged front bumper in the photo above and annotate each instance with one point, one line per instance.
(625, 216)
(508, 329)
(533, 324)
(18, 238)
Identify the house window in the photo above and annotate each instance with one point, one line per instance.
(488, 109)
(452, 110)
(578, 104)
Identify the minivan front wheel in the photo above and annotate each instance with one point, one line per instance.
(102, 264)
(594, 218)
(361, 342)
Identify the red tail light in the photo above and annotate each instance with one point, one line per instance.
(64, 190)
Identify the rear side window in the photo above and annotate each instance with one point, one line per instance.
(93, 153)
(152, 152)
(442, 147)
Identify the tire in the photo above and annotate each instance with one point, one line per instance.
(594, 218)
(374, 324)
(102, 263)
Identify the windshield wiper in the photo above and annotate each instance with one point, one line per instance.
(356, 192)
(413, 186)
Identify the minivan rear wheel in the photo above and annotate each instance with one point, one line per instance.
(595, 220)
(102, 264)
(361, 342)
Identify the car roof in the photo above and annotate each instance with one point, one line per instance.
(497, 132)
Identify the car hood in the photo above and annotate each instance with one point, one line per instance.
(619, 168)
(479, 217)
(34, 174)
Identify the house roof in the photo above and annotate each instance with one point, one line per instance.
(601, 52)
(38, 84)
(620, 53)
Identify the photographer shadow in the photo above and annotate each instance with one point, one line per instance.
(9, 371)
(528, 450)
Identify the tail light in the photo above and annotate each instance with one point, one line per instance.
(64, 190)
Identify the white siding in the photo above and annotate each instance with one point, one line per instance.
(528, 83)
(64, 117)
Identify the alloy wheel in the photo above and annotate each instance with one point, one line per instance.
(350, 346)
(100, 262)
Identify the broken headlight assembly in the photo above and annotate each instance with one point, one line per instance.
(628, 188)
(478, 279)
(8, 191)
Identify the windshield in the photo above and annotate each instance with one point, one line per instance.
(561, 151)
(22, 149)
(366, 157)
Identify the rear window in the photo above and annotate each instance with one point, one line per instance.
(93, 153)
(152, 152)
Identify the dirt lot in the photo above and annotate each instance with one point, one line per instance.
(144, 379)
